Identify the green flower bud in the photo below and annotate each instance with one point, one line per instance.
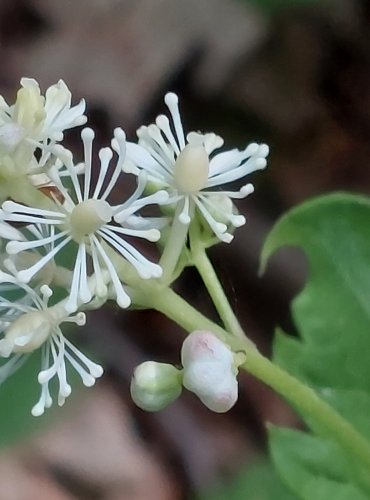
(155, 385)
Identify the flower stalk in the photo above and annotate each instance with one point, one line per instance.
(206, 270)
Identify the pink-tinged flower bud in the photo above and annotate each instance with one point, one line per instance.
(209, 370)
(155, 385)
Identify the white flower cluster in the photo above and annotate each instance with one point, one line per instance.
(191, 173)
(70, 235)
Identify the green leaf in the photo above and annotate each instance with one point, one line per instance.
(256, 482)
(353, 404)
(306, 464)
(332, 313)
(332, 316)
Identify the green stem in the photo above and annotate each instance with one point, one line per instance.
(206, 270)
(214, 287)
(318, 414)
(175, 244)
(166, 301)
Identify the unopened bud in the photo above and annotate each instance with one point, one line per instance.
(203, 345)
(209, 370)
(155, 385)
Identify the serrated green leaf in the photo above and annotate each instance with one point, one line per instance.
(306, 464)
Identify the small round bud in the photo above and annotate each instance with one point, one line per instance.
(155, 385)
(209, 371)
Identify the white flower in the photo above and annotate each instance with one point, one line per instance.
(190, 171)
(209, 370)
(87, 219)
(33, 122)
(36, 117)
(28, 324)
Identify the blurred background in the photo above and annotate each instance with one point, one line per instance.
(292, 73)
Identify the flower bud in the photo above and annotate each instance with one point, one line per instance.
(155, 385)
(203, 345)
(209, 370)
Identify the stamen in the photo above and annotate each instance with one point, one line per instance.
(105, 156)
(95, 370)
(162, 168)
(12, 207)
(123, 300)
(236, 220)
(8, 232)
(184, 216)
(164, 124)
(217, 227)
(148, 234)
(121, 140)
(172, 102)
(87, 136)
(72, 302)
(84, 292)
(144, 267)
(79, 319)
(142, 180)
(101, 289)
(14, 247)
(159, 198)
(67, 159)
(54, 175)
(155, 133)
(87, 379)
(64, 388)
(27, 274)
